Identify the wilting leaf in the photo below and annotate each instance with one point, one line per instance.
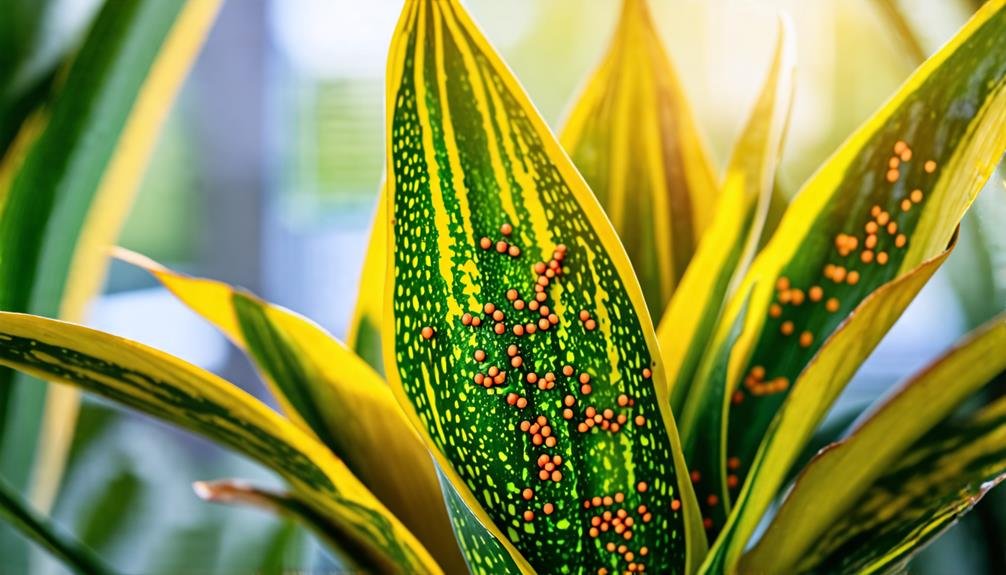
(65, 190)
(889, 199)
(814, 391)
(364, 335)
(72, 553)
(352, 555)
(731, 242)
(331, 393)
(633, 137)
(521, 345)
(870, 475)
(163, 386)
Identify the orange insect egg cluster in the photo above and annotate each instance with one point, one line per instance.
(615, 521)
(872, 244)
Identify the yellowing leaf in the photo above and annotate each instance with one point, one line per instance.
(165, 387)
(331, 393)
(731, 242)
(546, 405)
(831, 487)
(889, 199)
(633, 137)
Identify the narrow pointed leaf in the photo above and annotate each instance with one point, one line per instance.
(74, 555)
(633, 137)
(888, 199)
(887, 444)
(469, 158)
(332, 394)
(364, 336)
(949, 472)
(352, 556)
(165, 387)
(814, 391)
(66, 187)
(727, 248)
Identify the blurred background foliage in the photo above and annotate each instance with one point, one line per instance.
(266, 175)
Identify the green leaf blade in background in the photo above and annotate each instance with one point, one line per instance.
(365, 328)
(907, 434)
(330, 393)
(66, 190)
(142, 378)
(889, 199)
(469, 158)
(72, 553)
(732, 239)
(634, 138)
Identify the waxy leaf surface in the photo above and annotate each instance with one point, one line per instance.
(165, 387)
(883, 451)
(889, 199)
(522, 347)
(331, 393)
(633, 137)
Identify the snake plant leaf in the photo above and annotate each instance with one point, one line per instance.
(727, 248)
(179, 393)
(352, 556)
(72, 553)
(364, 335)
(888, 199)
(944, 476)
(632, 135)
(65, 188)
(329, 392)
(888, 444)
(522, 348)
(814, 391)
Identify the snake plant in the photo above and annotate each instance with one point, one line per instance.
(530, 416)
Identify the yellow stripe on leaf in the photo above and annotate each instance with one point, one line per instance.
(632, 135)
(179, 393)
(888, 199)
(513, 317)
(332, 394)
(813, 393)
(843, 473)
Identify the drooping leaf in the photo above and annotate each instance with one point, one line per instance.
(633, 137)
(727, 248)
(814, 391)
(65, 192)
(889, 199)
(165, 387)
(330, 393)
(364, 335)
(32, 525)
(886, 449)
(546, 406)
(352, 555)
